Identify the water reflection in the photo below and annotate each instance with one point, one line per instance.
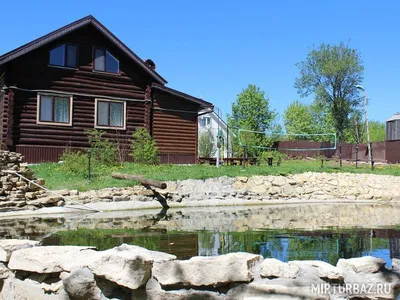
(325, 232)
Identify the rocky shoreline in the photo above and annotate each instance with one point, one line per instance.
(30, 271)
(305, 187)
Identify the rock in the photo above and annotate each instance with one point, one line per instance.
(128, 266)
(325, 270)
(7, 247)
(275, 289)
(380, 285)
(259, 189)
(208, 271)
(30, 195)
(242, 179)
(274, 190)
(155, 292)
(365, 264)
(50, 200)
(27, 289)
(279, 181)
(120, 198)
(272, 267)
(396, 264)
(81, 285)
(52, 259)
(4, 272)
(73, 192)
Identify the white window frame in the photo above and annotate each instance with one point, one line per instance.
(71, 104)
(110, 127)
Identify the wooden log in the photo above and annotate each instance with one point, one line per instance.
(141, 179)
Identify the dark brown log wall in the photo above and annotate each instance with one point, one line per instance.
(175, 131)
(3, 118)
(27, 132)
(32, 72)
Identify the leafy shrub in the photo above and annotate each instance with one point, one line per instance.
(75, 162)
(104, 151)
(206, 144)
(144, 149)
(275, 155)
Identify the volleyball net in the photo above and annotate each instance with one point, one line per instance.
(288, 142)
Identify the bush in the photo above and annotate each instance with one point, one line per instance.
(75, 162)
(275, 155)
(144, 149)
(206, 144)
(104, 151)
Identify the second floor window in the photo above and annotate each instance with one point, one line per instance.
(205, 121)
(65, 55)
(104, 61)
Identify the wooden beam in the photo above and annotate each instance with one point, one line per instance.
(141, 179)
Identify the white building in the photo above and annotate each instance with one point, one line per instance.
(213, 123)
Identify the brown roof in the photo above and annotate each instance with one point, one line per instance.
(74, 26)
(179, 94)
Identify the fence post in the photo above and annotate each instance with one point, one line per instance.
(356, 156)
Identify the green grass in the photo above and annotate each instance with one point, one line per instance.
(57, 179)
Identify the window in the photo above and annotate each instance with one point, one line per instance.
(110, 114)
(54, 109)
(104, 61)
(205, 121)
(65, 55)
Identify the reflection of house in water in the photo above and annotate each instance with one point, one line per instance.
(183, 246)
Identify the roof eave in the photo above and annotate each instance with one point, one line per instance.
(201, 102)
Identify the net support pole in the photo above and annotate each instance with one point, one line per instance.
(218, 155)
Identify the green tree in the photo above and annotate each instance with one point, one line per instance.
(301, 118)
(298, 119)
(206, 144)
(251, 111)
(144, 149)
(331, 73)
(377, 132)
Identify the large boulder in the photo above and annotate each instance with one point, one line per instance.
(272, 267)
(325, 270)
(7, 247)
(365, 264)
(128, 266)
(81, 285)
(380, 285)
(208, 271)
(52, 259)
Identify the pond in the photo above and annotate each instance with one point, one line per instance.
(287, 232)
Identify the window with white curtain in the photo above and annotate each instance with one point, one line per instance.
(110, 114)
(54, 109)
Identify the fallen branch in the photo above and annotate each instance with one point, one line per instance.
(141, 179)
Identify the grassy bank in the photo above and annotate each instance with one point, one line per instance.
(57, 179)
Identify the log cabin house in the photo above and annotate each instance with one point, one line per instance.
(81, 77)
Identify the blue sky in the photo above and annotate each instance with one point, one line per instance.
(214, 49)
